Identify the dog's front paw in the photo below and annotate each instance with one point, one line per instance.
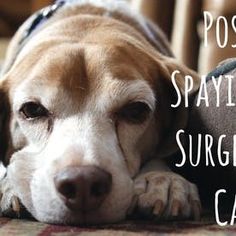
(9, 204)
(166, 195)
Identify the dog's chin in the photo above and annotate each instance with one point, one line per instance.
(64, 216)
(81, 219)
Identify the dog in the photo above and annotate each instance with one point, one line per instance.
(85, 117)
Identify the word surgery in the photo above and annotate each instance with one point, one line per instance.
(203, 93)
(223, 157)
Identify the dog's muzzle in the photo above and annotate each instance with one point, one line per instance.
(83, 188)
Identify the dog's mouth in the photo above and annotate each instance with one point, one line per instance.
(72, 216)
(71, 219)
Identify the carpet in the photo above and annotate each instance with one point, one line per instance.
(206, 226)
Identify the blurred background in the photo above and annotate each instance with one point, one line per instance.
(181, 20)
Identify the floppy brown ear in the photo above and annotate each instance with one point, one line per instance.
(4, 122)
(175, 118)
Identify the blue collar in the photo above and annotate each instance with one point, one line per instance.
(40, 17)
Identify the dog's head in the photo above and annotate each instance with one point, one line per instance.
(80, 119)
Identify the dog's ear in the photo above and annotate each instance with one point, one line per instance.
(4, 122)
(174, 118)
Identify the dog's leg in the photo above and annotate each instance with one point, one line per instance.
(162, 194)
(9, 203)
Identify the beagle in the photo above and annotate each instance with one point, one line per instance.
(85, 117)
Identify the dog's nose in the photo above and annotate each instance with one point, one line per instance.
(83, 188)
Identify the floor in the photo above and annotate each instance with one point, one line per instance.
(203, 227)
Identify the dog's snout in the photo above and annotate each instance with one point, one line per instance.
(83, 188)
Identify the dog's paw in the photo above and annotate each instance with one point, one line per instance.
(9, 203)
(166, 195)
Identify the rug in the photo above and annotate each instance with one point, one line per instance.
(206, 226)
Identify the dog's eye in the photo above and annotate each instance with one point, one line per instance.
(135, 112)
(32, 110)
